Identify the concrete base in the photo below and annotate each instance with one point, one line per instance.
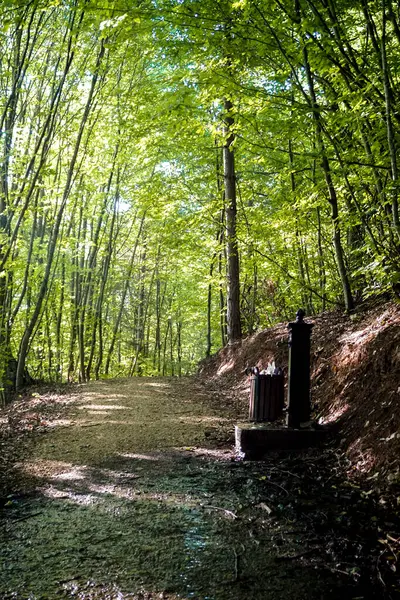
(254, 440)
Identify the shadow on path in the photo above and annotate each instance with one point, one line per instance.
(134, 495)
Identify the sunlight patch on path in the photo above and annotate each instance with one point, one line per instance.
(149, 499)
(106, 407)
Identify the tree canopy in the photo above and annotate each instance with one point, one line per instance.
(175, 174)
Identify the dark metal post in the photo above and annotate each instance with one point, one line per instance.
(299, 405)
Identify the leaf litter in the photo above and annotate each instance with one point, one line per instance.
(150, 505)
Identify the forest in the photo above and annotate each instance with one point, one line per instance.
(176, 174)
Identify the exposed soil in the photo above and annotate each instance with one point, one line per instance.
(131, 489)
(355, 384)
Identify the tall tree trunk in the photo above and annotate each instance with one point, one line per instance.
(146, 325)
(300, 262)
(157, 343)
(23, 349)
(103, 281)
(222, 250)
(222, 305)
(21, 53)
(179, 345)
(233, 288)
(209, 306)
(91, 264)
(171, 349)
(164, 367)
(389, 127)
(123, 298)
(140, 330)
(321, 261)
(59, 321)
(348, 298)
(81, 320)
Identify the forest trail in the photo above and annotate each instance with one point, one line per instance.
(135, 494)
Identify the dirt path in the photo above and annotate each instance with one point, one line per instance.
(135, 493)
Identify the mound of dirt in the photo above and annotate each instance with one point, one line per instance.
(355, 382)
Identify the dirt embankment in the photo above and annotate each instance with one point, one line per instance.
(355, 382)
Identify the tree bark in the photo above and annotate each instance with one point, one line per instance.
(389, 127)
(23, 349)
(123, 298)
(233, 288)
(103, 283)
(347, 295)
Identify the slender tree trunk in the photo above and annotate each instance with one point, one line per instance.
(146, 325)
(91, 263)
(209, 307)
(222, 305)
(74, 318)
(348, 298)
(321, 262)
(141, 312)
(43, 142)
(160, 305)
(103, 283)
(23, 349)
(253, 312)
(389, 127)
(28, 263)
(171, 349)
(123, 298)
(7, 125)
(59, 322)
(179, 346)
(81, 306)
(157, 344)
(300, 262)
(222, 249)
(164, 367)
(49, 345)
